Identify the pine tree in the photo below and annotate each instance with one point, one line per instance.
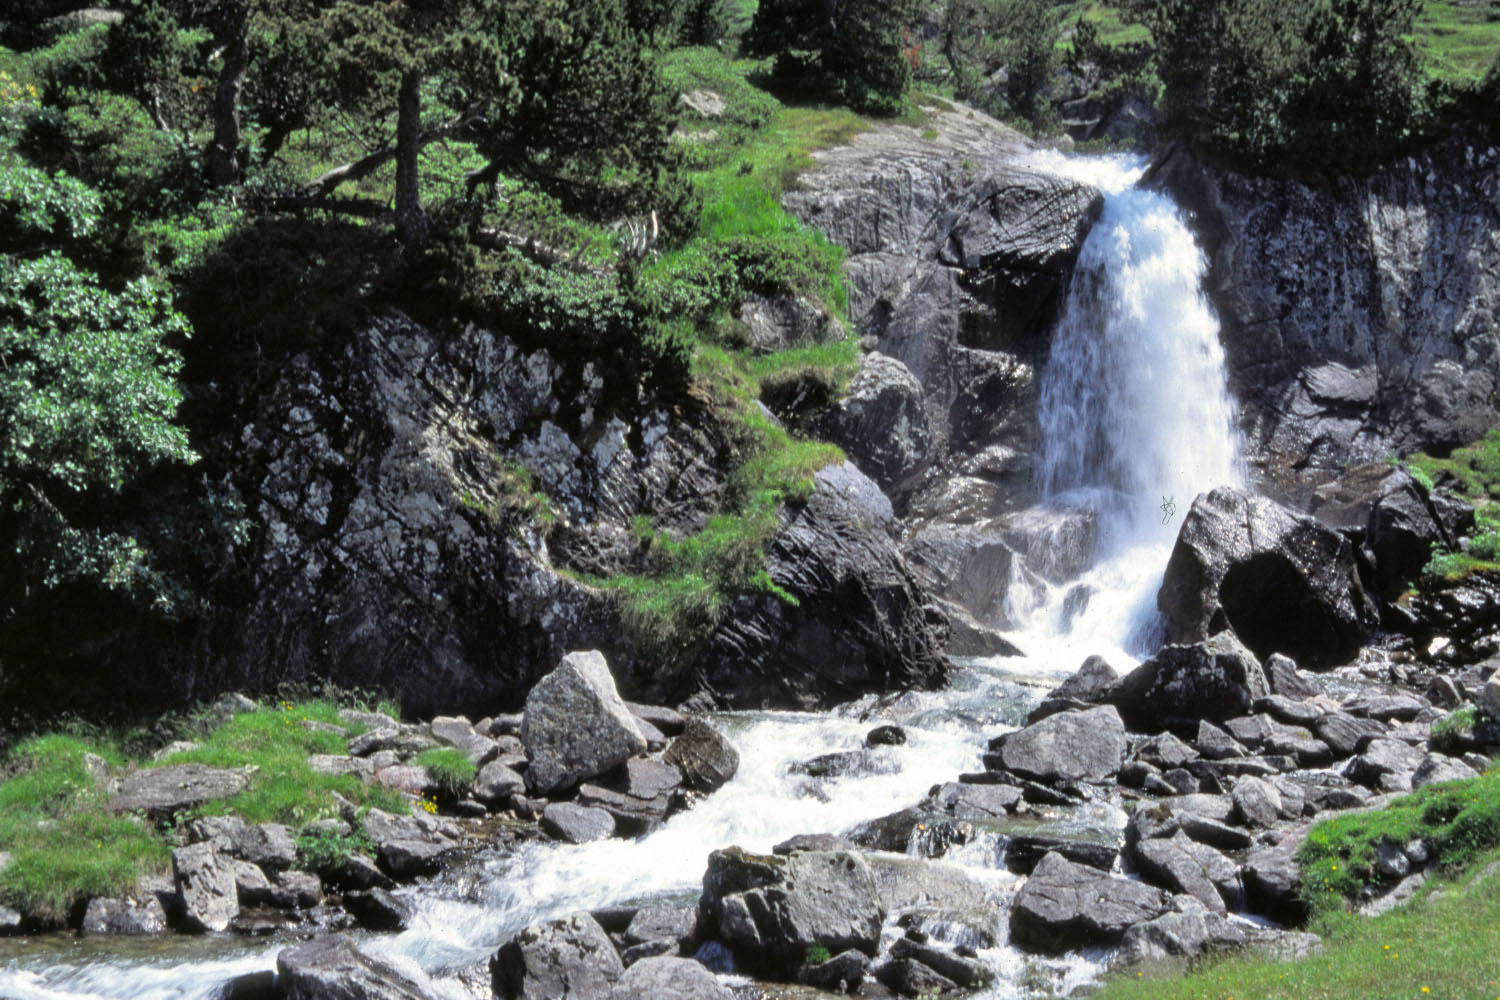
(853, 51)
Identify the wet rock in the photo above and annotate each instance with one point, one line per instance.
(1089, 685)
(1286, 680)
(886, 736)
(638, 794)
(575, 726)
(891, 832)
(1181, 685)
(842, 973)
(1063, 906)
(1284, 583)
(1181, 865)
(911, 978)
(812, 842)
(124, 916)
(974, 802)
(205, 881)
(847, 763)
(251, 986)
(1069, 746)
(409, 859)
(706, 759)
(161, 791)
(332, 968)
(862, 620)
(770, 910)
(377, 909)
(495, 783)
(295, 890)
(577, 824)
(963, 971)
(662, 923)
(1025, 851)
(1385, 764)
(669, 977)
(1400, 533)
(570, 958)
(881, 422)
(360, 872)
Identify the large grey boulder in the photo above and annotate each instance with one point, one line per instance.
(638, 794)
(332, 968)
(706, 759)
(570, 958)
(1173, 940)
(206, 884)
(1183, 685)
(1063, 906)
(1358, 317)
(770, 910)
(1183, 865)
(1283, 582)
(575, 725)
(664, 976)
(577, 824)
(124, 916)
(881, 424)
(1400, 533)
(861, 620)
(161, 791)
(1070, 746)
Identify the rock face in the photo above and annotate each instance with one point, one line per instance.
(206, 883)
(1359, 317)
(771, 910)
(1183, 685)
(1283, 582)
(331, 968)
(1070, 746)
(861, 621)
(575, 725)
(566, 959)
(881, 423)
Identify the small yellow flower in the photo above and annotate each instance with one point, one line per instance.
(1426, 990)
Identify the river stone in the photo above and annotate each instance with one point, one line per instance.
(906, 883)
(332, 968)
(570, 958)
(842, 973)
(974, 802)
(1172, 940)
(124, 916)
(1069, 746)
(251, 886)
(1385, 764)
(678, 978)
(295, 890)
(575, 726)
(1181, 865)
(1257, 801)
(706, 759)
(638, 794)
(269, 845)
(1088, 685)
(911, 978)
(661, 923)
(1343, 732)
(770, 910)
(1437, 767)
(377, 909)
(161, 791)
(205, 881)
(1063, 906)
(1026, 850)
(410, 859)
(495, 783)
(1273, 884)
(1165, 751)
(1283, 582)
(963, 971)
(1181, 685)
(1286, 680)
(577, 824)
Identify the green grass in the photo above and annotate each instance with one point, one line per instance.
(1459, 40)
(452, 771)
(1472, 472)
(65, 848)
(1441, 946)
(1458, 820)
(1474, 467)
(276, 742)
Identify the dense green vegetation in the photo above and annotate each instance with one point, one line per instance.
(1473, 473)
(67, 846)
(1440, 945)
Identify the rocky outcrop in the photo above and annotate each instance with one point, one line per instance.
(1359, 315)
(881, 424)
(570, 958)
(959, 258)
(1064, 905)
(860, 622)
(1283, 582)
(1183, 685)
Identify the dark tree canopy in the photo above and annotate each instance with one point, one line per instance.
(854, 52)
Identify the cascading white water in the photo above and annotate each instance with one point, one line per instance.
(1133, 411)
(1135, 414)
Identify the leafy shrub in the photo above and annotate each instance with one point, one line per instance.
(325, 852)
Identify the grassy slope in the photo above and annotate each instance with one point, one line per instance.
(1472, 472)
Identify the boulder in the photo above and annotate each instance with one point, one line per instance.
(974, 802)
(638, 794)
(1273, 884)
(667, 721)
(770, 910)
(1257, 802)
(1182, 685)
(661, 923)
(906, 884)
(1173, 940)
(1165, 751)
(963, 971)
(205, 882)
(705, 758)
(1386, 765)
(124, 916)
(840, 974)
(577, 824)
(678, 978)
(1070, 746)
(1089, 685)
(295, 890)
(860, 622)
(911, 978)
(1436, 768)
(251, 886)
(1026, 850)
(332, 968)
(1284, 583)
(1181, 865)
(881, 422)
(377, 909)
(570, 958)
(410, 859)
(1286, 680)
(1064, 906)
(1343, 732)
(495, 783)
(159, 792)
(575, 725)
(267, 845)
(1400, 534)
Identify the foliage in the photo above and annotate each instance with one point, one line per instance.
(980, 37)
(452, 771)
(326, 851)
(816, 955)
(1458, 821)
(856, 51)
(1472, 471)
(1442, 944)
(65, 847)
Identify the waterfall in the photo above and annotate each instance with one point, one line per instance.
(1135, 414)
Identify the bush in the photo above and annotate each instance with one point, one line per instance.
(452, 771)
(855, 51)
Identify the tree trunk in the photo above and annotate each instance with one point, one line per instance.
(411, 221)
(223, 154)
